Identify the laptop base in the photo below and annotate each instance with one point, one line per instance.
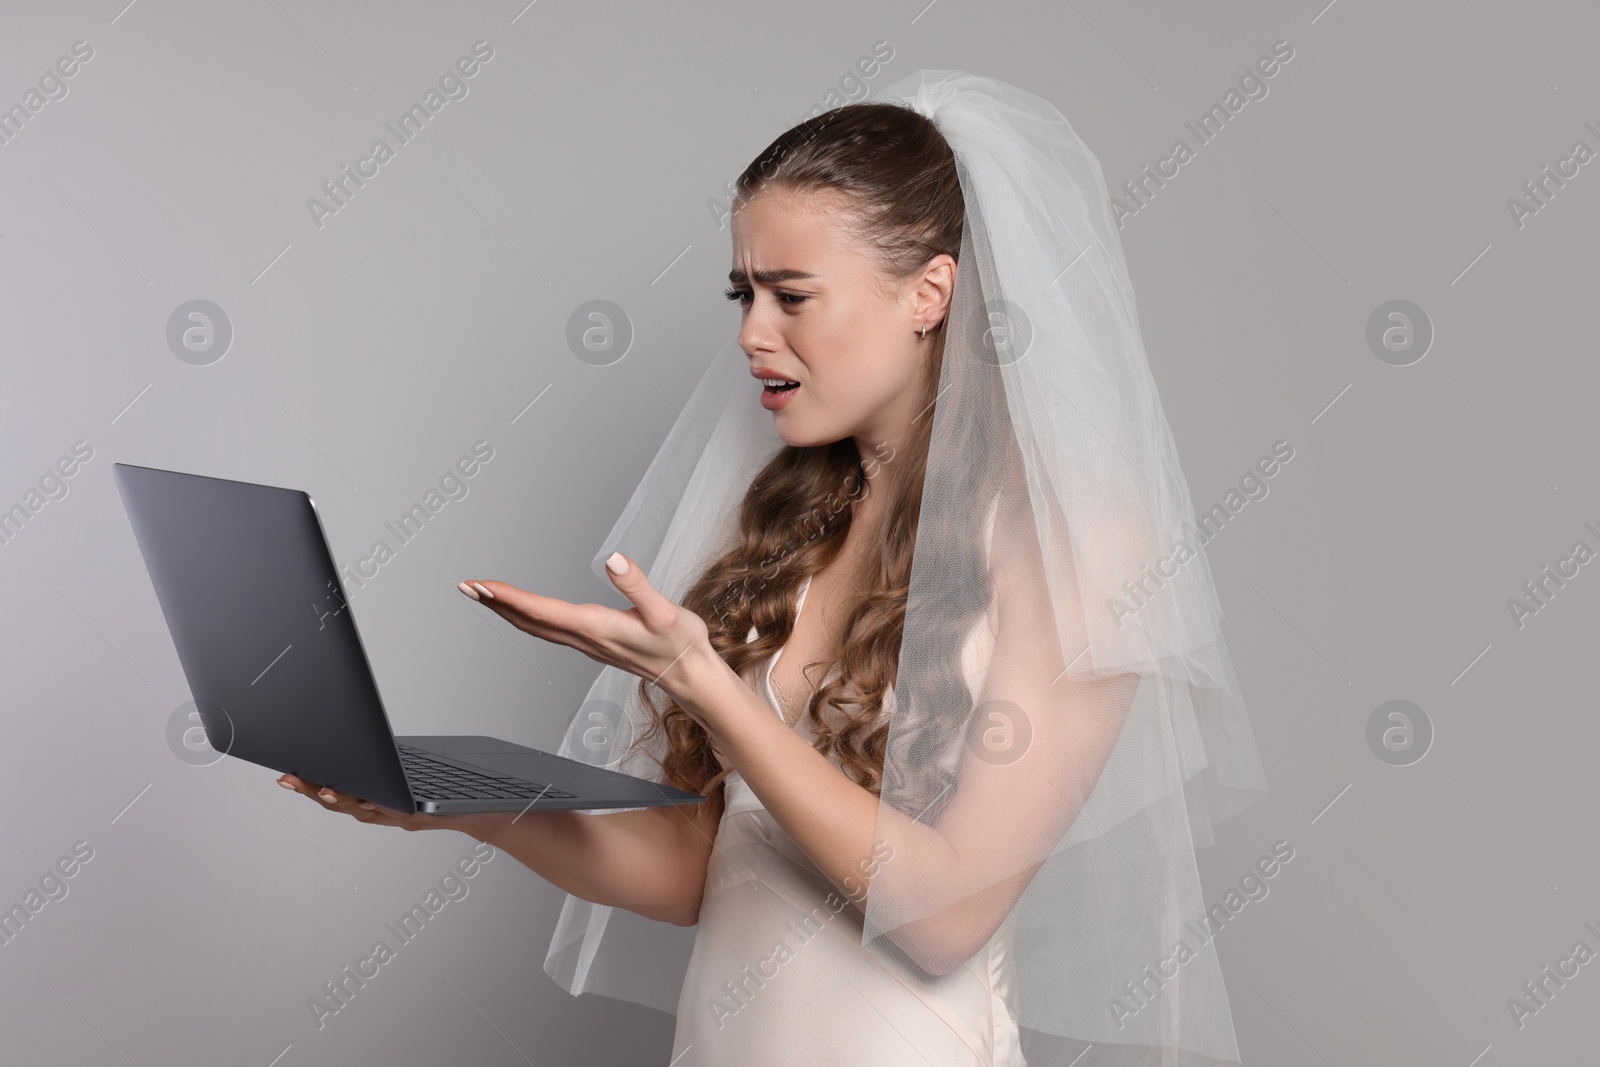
(581, 786)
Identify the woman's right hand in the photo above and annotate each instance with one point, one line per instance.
(473, 823)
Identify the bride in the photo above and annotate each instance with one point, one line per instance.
(924, 624)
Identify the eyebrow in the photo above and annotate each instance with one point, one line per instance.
(768, 277)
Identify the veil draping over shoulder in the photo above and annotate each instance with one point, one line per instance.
(1108, 735)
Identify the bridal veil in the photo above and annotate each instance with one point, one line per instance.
(1110, 735)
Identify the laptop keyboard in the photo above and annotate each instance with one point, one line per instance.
(434, 779)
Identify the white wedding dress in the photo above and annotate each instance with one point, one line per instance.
(779, 978)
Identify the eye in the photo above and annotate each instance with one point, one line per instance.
(787, 299)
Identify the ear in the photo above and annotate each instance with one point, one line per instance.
(933, 290)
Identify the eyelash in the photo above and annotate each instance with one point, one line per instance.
(790, 299)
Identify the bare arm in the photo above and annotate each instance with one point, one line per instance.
(961, 876)
(835, 821)
(651, 861)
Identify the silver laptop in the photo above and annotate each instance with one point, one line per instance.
(269, 646)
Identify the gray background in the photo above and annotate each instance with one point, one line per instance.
(430, 312)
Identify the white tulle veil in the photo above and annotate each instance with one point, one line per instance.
(1108, 735)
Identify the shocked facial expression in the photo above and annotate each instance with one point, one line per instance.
(818, 311)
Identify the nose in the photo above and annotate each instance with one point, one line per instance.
(759, 332)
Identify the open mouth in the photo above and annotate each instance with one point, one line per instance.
(773, 390)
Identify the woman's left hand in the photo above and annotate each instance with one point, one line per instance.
(655, 639)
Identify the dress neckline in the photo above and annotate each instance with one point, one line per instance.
(800, 604)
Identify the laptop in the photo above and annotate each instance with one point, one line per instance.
(269, 646)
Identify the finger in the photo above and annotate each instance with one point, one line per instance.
(546, 617)
(364, 810)
(367, 811)
(379, 809)
(328, 797)
(298, 784)
(655, 609)
(355, 807)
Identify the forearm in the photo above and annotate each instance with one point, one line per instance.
(628, 859)
(835, 822)
(952, 883)
(830, 817)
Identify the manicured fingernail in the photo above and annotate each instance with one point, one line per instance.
(285, 784)
(617, 564)
(369, 807)
(467, 589)
(480, 587)
(329, 797)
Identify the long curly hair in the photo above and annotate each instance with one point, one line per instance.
(903, 199)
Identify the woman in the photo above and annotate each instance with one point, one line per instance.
(931, 637)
